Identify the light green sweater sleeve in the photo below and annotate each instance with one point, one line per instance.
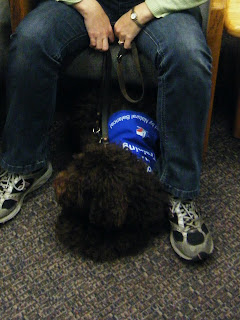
(161, 8)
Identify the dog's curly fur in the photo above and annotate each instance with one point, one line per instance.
(107, 185)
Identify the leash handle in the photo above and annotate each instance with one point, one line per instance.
(123, 52)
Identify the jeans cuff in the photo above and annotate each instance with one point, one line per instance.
(24, 169)
(181, 194)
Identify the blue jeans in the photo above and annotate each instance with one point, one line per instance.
(176, 46)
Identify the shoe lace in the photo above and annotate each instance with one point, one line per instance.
(186, 213)
(10, 181)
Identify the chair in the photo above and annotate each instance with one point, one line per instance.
(232, 26)
(213, 16)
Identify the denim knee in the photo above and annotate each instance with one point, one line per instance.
(30, 40)
(48, 30)
(187, 57)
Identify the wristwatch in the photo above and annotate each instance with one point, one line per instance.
(134, 18)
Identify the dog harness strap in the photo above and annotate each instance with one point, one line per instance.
(120, 72)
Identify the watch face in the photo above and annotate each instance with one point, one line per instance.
(133, 16)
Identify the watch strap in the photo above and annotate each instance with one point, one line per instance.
(135, 20)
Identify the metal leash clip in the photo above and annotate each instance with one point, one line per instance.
(104, 141)
(122, 52)
(97, 129)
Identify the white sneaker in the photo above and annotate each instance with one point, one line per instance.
(189, 235)
(14, 188)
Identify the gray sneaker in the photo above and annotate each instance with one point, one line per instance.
(189, 235)
(14, 188)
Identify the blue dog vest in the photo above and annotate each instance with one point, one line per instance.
(135, 131)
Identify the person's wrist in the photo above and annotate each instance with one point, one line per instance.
(84, 7)
(144, 15)
(78, 6)
(77, 3)
(134, 18)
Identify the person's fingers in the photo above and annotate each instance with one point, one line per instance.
(105, 44)
(92, 42)
(127, 44)
(111, 35)
(99, 43)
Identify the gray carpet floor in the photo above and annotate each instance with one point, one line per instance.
(53, 268)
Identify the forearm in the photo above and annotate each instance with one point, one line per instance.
(149, 9)
(144, 14)
(84, 6)
(80, 6)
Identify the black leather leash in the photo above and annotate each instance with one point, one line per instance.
(134, 53)
(104, 99)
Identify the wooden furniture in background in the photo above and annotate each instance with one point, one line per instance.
(214, 39)
(19, 8)
(232, 25)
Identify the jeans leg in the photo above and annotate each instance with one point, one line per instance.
(42, 40)
(177, 47)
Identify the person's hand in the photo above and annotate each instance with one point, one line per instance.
(97, 24)
(126, 30)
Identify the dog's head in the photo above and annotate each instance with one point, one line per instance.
(110, 187)
(97, 183)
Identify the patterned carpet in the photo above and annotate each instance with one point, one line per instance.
(54, 268)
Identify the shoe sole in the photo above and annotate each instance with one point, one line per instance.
(36, 185)
(201, 255)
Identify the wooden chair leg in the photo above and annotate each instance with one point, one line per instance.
(214, 39)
